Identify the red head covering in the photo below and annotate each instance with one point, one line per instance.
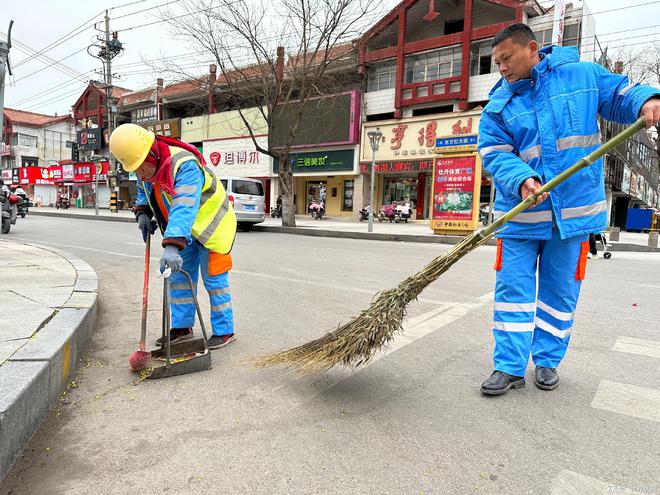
(160, 148)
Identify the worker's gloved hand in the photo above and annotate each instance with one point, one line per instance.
(146, 225)
(171, 259)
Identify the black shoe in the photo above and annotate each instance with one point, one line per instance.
(546, 378)
(177, 335)
(499, 383)
(218, 341)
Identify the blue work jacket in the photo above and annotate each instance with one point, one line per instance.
(540, 126)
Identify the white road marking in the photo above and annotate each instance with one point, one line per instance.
(571, 483)
(642, 347)
(288, 390)
(629, 400)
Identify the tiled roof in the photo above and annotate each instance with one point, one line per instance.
(34, 119)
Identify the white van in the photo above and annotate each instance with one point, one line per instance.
(247, 196)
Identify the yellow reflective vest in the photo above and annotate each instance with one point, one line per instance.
(215, 223)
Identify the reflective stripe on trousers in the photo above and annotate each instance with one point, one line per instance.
(196, 256)
(525, 322)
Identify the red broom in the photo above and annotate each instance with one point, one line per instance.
(140, 358)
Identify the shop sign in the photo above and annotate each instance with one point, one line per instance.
(5, 149)
(237, 156)
(400, 167)
(625, 182)
(15, 175)
(320, 161)
(416, 138)
(55, 173)
(167, 128)
(6, 175)
(456, 187)
(34, 175)
(90, 139)
(453, 144)
(85, 172)
(67, 172)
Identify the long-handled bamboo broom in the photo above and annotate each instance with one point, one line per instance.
(355, 342)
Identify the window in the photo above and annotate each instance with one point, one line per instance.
(347, 203)
(481, 60)
(455, 26)
(571, 36)
(26, 140)
(381, 76)
(435, 65)
(247, 187)
(544, 37)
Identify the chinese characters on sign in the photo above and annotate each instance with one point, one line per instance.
(390, 167)
(311, 161)
(234, 157)
(454, 144)
(453, 191)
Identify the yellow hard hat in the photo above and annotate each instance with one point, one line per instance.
(130, 144)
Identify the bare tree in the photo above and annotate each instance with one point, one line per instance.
(643, 66)
(276, 56)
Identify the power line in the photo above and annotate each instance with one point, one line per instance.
(82, 27)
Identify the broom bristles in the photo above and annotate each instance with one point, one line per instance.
(355, 342)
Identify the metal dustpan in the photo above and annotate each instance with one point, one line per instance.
(185, 357)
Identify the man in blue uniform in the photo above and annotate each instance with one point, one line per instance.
(542, 118)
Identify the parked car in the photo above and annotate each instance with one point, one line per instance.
(247, 196)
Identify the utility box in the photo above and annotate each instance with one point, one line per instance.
(639, 219)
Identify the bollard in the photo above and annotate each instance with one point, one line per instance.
(614, 233)
(653, 239)
(113, 202)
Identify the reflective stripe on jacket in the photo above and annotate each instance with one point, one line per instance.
(200, 207)
(538, 127)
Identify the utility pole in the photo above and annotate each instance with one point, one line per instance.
(4, 60)
(109, 48)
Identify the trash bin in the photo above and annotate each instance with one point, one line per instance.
(79, 201)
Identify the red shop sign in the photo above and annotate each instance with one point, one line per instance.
(84, 172)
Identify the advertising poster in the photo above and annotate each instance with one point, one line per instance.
(455, 200)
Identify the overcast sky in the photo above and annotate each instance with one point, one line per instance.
(40, 87)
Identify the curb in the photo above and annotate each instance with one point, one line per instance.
(342, 234)
(428, 239)
(33, 378)
(82, 216)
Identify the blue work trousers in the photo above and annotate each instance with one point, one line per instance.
(182, 304)
(535, 320)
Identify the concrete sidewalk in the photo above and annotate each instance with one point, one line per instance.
(48, 306)
(413, 231)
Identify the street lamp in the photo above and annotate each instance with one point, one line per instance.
(374, 140)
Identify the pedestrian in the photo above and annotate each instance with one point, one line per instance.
(185, 200)
(542, 118)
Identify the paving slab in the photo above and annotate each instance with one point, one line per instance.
(48, 311)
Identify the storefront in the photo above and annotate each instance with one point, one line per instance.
(405, 157)
(324, 175)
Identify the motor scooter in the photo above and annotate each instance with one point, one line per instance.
(9, 211)
(317, 209)
(62, 202)
(276, 212)
(404, 212)
(387, 212)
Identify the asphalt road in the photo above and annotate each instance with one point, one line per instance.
(412, 422)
